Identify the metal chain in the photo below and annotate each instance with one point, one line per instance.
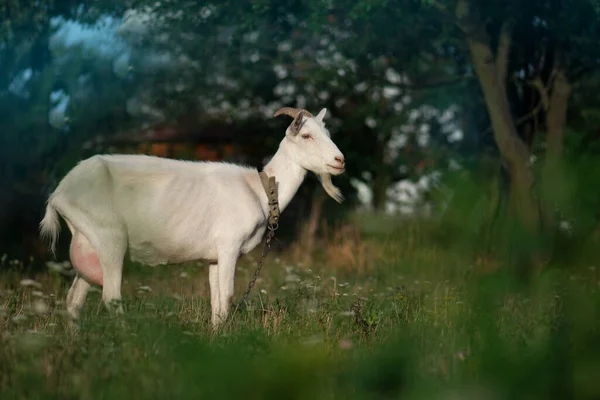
(266, 248)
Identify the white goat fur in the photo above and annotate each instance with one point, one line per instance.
(172, 211)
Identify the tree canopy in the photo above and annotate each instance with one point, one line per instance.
(418, 91)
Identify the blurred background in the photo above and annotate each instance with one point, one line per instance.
(485, 113)
(465, 254)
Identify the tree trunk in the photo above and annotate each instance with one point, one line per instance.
(306, 244)
(380, 185)
(316, 210)
(512, 148)
(382, 176)
(554, 182)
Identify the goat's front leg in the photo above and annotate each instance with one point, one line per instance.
(226, 275)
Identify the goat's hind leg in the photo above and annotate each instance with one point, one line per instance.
(82, 257)
(102, 268)
(76, 296)
(227, 260)
(213, 279)
(75, 299)
(113, 247)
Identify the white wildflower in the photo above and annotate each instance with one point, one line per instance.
(292, 278)
(30, 282)
(19, 318)
(40, 306)
(54, 266)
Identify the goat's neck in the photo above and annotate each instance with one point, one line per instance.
(288, 174)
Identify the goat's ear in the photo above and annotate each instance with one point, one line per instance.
(297, 124)
(321, 114)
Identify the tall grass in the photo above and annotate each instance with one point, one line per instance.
(393, 312)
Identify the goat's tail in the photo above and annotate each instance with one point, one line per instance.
(50, 227)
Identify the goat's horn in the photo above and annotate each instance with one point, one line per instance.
(292, 112)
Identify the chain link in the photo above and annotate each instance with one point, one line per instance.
(266, 248)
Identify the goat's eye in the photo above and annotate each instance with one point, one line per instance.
(306, 136)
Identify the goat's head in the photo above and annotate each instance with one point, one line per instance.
(313, 148)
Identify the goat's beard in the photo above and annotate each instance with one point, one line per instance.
(330, 188)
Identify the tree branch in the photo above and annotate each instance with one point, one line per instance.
(461, 18)
(544, 103)
(521, 120)
(503, 52)
(542, 90)
(512, 148)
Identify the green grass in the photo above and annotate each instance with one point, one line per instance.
(387, 315)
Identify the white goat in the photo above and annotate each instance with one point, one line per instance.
(172, 211)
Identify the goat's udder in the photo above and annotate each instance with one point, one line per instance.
(85, 260)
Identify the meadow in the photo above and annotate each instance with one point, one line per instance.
(381, 309)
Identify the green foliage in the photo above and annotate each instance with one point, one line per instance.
(340, 55)
(418, 331)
